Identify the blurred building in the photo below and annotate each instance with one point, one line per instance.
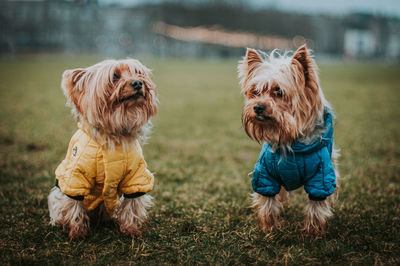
(367, 36)
(47, 26)
(204, 29)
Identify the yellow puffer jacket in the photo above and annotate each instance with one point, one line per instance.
(101, 174)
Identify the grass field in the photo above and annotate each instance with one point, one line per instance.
(201, 157)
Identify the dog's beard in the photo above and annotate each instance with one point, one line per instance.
(121, 121)
(278, 128)
(130, 116)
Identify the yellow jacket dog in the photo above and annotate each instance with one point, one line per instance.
(101, 174)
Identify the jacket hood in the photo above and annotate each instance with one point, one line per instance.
(326, 138)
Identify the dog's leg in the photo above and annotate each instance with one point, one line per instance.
(68, 212)
(316, 215)
(318, 212)
(56, 201)
(268, 209)
(132, 214)
(283, 195)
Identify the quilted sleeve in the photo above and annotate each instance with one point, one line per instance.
(140, 179)
(323, 183)
(263, 182)
(76, 173)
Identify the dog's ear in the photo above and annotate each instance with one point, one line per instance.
(303, 59)
(249, 63)
(74, 75)
(72, 86)
(252, 59)
(306, 76)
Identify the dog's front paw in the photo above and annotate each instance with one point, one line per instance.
(132, 229)
(79, 229)
(316, 215)
(69, 213)
(268, 209)
(313, 229)
(132, 214)
(77, 219)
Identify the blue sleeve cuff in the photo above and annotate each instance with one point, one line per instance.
(264, 185)
(314, 198)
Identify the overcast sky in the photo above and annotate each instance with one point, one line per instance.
(385, 7)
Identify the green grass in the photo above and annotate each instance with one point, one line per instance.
(201, 157)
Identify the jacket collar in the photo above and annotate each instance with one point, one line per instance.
(85, 128)
(326, 138)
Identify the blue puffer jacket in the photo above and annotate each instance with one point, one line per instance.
(308, 165)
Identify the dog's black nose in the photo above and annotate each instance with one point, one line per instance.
(259, 108)
(137, 85)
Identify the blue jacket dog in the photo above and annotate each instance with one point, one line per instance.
(284, 106)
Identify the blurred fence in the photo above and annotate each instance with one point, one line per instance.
(177, 29)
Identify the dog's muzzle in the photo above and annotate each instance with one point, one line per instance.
(136, 85)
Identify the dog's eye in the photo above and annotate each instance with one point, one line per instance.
(278, 92)
(116, 76)
(254, 93)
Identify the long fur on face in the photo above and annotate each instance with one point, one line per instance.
(288, 87)
(103, 100)
(132, 214)
(68, 212)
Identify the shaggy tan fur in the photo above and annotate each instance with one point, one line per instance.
(68, 212)
(132, 213)
(316, 215)
(268, 210)
(103, 100)
(289, 88)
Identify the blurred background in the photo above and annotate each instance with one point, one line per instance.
(358, 29)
